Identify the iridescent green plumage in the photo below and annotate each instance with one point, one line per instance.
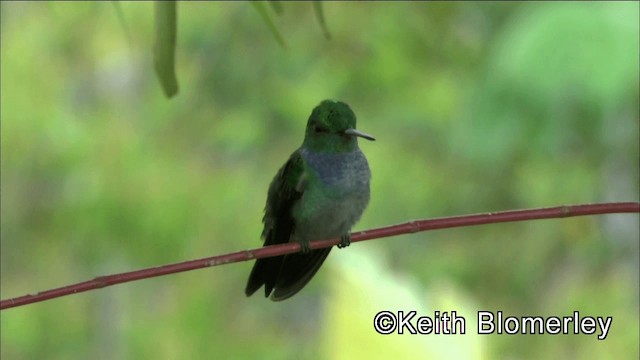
(318, 194)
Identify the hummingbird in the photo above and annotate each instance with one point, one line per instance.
(318, 194)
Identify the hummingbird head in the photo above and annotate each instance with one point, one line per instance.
(332, 128)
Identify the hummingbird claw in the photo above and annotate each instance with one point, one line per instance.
(305, 247)
(345, 240)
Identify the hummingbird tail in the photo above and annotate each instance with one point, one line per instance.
(296, 271)
(285, 275)
(264, 272)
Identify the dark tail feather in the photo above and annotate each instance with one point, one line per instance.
(264, 272)
(296, 271)
(286, 274)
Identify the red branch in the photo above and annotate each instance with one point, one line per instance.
(267, 251)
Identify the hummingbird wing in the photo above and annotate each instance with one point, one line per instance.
(287, 274)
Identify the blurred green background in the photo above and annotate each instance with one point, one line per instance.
(476, 107)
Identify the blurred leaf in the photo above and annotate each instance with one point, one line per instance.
(276, 6)
(259, 6)
(122, 21)
(165, 46)
(317, 9)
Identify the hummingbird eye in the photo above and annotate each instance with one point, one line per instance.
(319, 129)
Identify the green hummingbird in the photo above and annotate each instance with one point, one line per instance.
(319, 194)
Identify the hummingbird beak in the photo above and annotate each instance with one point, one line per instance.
(354, 132)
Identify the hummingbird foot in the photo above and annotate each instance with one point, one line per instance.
(305, 246)
(345, 240)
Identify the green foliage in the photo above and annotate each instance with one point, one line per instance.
(164, 49)
(262, 10)
(165, 40)
(475, 107)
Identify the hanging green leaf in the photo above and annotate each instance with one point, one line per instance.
(122, 21)
(276, 6)
(164, 50)
(261, 8)
(317, 9)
